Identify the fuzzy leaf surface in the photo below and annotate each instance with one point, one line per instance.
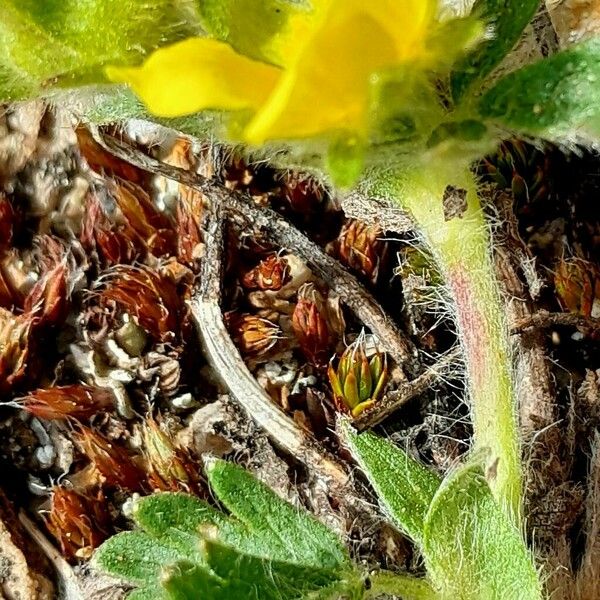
(282, 530)
(68, 42)
(405, 488)
(265, 548)
(471, 549)
(231, 574)
(508, 18)
(551, 97)
(136, 557)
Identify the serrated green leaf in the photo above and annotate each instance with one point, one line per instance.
(404, 487)
(135, 557)
(508, 18)
(471, 550)
(250, 26)
(236, 575)
(289, 533)
(68, 42)
(551, 97)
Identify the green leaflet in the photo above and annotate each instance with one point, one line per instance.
(136, 557)
(68, 42)
(550, 97)
(508, 19)
(266, 549)
(250, 26)
(290, 534)
(404, 487)
(471, 549)
(232, 574)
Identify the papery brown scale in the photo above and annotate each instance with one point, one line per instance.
(253, 335)
(48, 299)
(61, 402)
(51, 252)
(304, 195)
(577, 283)
(311, 330)
(7, 216)
(359, 247)
(79, 524)
(15, 349)
(8, 297)
(189, 232)
(114, 243)
(113, 462)
(170, 467)
(153, 300)
(153, 227)
(272, 273)
(103, 162)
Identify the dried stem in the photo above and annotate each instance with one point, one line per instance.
(235, 375)
(394, 400)
(241, 208)
(544, 319)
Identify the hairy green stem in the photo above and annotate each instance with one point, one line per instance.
(402, 585)
(461, 248)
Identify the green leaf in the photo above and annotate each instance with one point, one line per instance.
(508, 19)
(176, 519)
(249, 26)
(289, 534)
(236, 575)
(551, 97)
(472, 551)
(148, 593)
(405, 488)
(135, 557)
(265, 549)
(68, 42)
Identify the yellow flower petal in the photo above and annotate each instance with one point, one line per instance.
(198, 74)
(327, 86)
(285, 46)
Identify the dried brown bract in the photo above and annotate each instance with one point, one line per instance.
(48, 298)
(170, 467)
(189, 232)
(154, 228)
(7, 216)
(114, 243)
(360, 247)
(253, 335)
(146, 295)
(303, 193)
(103, 162)
(272, 274)
(310, 325)
(113, 462)
(61, 402)
(15, 349)
(577, 283)
(80, 524)
(9, 298)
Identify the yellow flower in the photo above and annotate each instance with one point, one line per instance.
(324, 64)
